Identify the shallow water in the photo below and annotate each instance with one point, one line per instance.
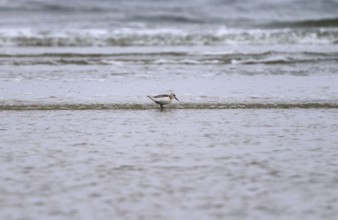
(252, 137)
(175, 164)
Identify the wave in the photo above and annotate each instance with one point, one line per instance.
(167, 58)
(185, 106)
(326, 22)
(276, 58)
(169, 18)
(160, 37)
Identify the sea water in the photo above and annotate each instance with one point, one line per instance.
(254, 135)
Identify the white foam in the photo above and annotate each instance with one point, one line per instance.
(164, 36)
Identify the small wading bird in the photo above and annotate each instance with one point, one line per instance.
(163, 99)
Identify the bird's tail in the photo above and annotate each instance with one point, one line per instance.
(150, 97)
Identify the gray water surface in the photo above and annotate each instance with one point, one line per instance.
(175, 164)
(254, 135)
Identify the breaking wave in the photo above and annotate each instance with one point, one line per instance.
(155, 37)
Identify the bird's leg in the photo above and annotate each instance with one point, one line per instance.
(161, 107)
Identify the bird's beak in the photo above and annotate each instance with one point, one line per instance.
(176, 99)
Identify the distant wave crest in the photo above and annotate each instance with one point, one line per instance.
(153, 37)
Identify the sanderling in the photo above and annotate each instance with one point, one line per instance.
(163, 99)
